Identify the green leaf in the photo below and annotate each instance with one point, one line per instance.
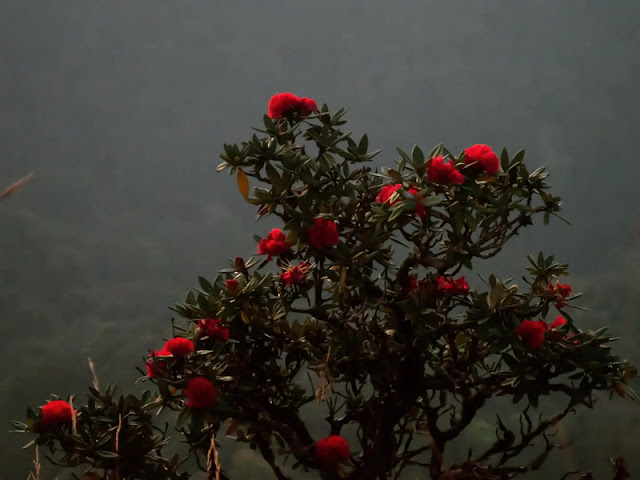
(107, 454)
(417, 157)
(273, 175)
(431, 201)
(395, 175)
(396, 212)
(435, 151)
(183, 416)
(504, 159)
(496, 295)
(517, 158)
(363, 145)
(205, 284)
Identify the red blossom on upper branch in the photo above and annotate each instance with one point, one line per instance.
(483, 157)
(388, 190)
(274, 244)
(179, 347)
(444, 173)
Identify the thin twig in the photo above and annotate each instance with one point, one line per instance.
(15, 186)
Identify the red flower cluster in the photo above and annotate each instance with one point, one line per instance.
(274, 244)
(453, 287)
(179, 347)
(295, 273)
(323, 233)
(560, 291)
(388, 190)
(287, 104)
(201, 393)
(533, 331)
(444, 173)
(155, 366)
(57, 412)
(232, 285)
(483, 157)
(213, 328)
(332, 450)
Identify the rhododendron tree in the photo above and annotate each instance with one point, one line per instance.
(363, 305)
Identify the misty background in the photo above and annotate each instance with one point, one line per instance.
(121, 108)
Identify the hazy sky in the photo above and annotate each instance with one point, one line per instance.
(121, 109)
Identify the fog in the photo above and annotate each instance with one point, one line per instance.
(121, 108)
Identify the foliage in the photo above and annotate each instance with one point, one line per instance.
(358, 305)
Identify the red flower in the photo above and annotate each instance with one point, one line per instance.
(572, 338)
(554, 334)
(558, 322)
(332, 450)
(287, 104)
(420, 210)
(413, 285)
(484, 156)
(154, 366)
(324, 232)
(444, 173)
(274, 244)
(532, 332)
(453, 287)
(201, 393)
(564, 290)
(213, 328)
(386, 192)
(560, 291)
(57, 412)
(295, 273)
(232, 285)
(179, 347)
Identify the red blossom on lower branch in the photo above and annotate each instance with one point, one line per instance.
(57, 412)
(232, 286)
(155, 366)
(388, 190)
(179, 347)
(420, 210)
(213, 328)
(201, 393)
(295, 273)
(453, 287)
(533, 331)
(332, 450)
(323, 233)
